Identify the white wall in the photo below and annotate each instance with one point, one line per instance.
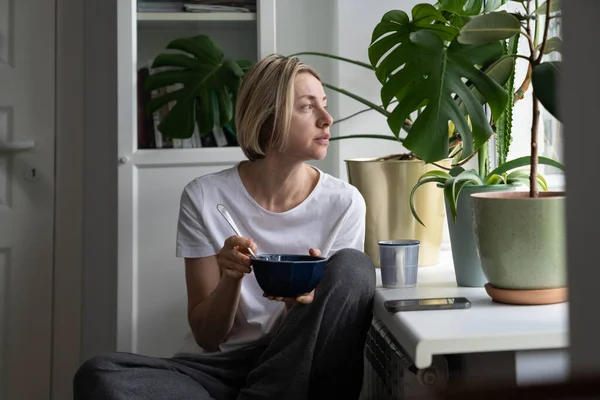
(310, 26)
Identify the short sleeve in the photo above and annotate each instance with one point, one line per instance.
(193, 239)
(352, 232)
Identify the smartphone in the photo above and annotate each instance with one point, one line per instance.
(449, 303)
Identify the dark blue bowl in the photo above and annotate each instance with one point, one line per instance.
(288, 275)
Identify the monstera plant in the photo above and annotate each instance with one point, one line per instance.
(434, 69)
(449, 64)
(206, 81)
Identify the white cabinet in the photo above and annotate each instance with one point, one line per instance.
(151, 303)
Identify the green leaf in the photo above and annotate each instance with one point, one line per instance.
(496, 180)
(493, 5)
(542, 182)
(522, 176)
(455, 171)
(462, 7)
(454, 185)
(202, 74)
(541, 10)
(458, 21)
(489, 28)
(500, 71)
(397, 26)
(504, 123)
(436, 173)
(420, 183)
(418, 70)
(552, 44)
(522, 162)
(545, 79)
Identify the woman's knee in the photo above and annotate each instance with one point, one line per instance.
(353, 269)
(89, 374)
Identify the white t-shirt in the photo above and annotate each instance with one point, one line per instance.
(331, 218)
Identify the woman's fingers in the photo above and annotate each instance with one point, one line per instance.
(306, 298)
(238, 241)
(233, 256)
(314, 252)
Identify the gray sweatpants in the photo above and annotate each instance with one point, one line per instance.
(317, 353)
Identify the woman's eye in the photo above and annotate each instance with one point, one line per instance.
(308, 107)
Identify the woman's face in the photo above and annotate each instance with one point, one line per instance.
(309, 127)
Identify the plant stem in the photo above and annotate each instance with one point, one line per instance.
(535, 61)
(364, 110)
(535, 32)
(533, 190)
(355, 62)
(545, 37)
(366, 102)
(386, 137)
(482, 156)
(520, 92)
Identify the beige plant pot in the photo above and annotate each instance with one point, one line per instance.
(386, 186)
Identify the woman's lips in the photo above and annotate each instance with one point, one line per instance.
(324, 139)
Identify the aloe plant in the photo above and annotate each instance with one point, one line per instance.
(203, 74)
(509, 173)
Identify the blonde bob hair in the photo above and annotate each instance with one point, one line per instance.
(265, 103)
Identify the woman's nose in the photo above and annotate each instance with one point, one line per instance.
(325, 120)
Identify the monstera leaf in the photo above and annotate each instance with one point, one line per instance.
(471, 7)
(418, 69)
(202, 74)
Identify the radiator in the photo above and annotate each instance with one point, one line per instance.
(391, 375)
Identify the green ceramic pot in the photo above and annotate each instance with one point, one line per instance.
(467, 266)
(521, 240)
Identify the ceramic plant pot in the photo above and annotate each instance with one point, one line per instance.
(521, 240)
(467, 266)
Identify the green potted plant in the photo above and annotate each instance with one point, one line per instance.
(528, 227)
(445, 80)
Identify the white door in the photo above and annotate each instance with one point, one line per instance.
(27, 118)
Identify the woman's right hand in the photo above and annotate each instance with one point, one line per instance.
(234, 258)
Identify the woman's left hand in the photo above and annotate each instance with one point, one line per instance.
(303, 299)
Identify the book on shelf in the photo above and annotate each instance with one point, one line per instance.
(160, 6)
(201, 6)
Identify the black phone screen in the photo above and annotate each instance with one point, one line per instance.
(427, 304)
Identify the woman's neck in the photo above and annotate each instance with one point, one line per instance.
(278, 186)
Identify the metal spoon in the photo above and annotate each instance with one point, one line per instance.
(223, 210)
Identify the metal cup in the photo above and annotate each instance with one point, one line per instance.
(399, 261)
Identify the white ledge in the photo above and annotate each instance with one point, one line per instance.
(485, 327)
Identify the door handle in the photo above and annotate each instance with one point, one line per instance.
(15, 147)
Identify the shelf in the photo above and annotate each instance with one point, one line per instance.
(484, 328)
(187, 157)
(194, 17)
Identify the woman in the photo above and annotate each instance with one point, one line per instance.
(243, 345)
